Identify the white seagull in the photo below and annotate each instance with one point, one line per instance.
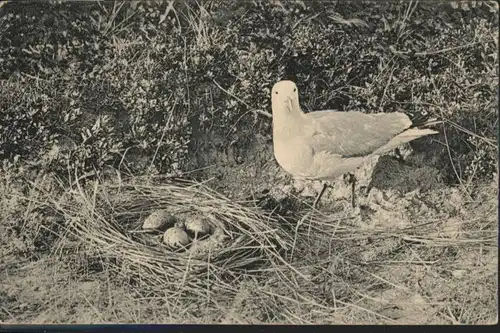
(323, 145)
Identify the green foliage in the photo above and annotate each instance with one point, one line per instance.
(136, 84)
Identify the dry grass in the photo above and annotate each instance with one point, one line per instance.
(105, 218)
(303, 267)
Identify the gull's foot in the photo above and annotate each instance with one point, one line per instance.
(350, 179)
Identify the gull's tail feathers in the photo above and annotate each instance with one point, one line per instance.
(405, 137)
(424, 120)
(428, 123)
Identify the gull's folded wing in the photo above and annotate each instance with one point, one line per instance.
(351, 134)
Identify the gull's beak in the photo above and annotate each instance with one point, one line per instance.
(288, 102)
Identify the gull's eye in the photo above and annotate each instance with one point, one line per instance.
(276, 93)
(294, 89)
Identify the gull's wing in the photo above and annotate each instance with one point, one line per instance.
(351, 134)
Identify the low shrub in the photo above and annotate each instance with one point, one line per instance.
(138, 85)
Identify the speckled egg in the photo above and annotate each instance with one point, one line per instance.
(175, 238)
(159, 220)
(197, 226)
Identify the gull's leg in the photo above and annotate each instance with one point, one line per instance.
(320, 195)
(352, 180)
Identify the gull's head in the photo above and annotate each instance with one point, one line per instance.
(285, 97)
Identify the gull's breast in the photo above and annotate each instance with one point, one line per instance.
(295, 157)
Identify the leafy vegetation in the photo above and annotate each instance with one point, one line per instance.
(142, 79)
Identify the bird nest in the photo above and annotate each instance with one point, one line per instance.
(244, 239)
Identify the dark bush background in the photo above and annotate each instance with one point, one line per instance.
(137, 85)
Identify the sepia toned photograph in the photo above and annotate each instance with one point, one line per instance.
(249, 162)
